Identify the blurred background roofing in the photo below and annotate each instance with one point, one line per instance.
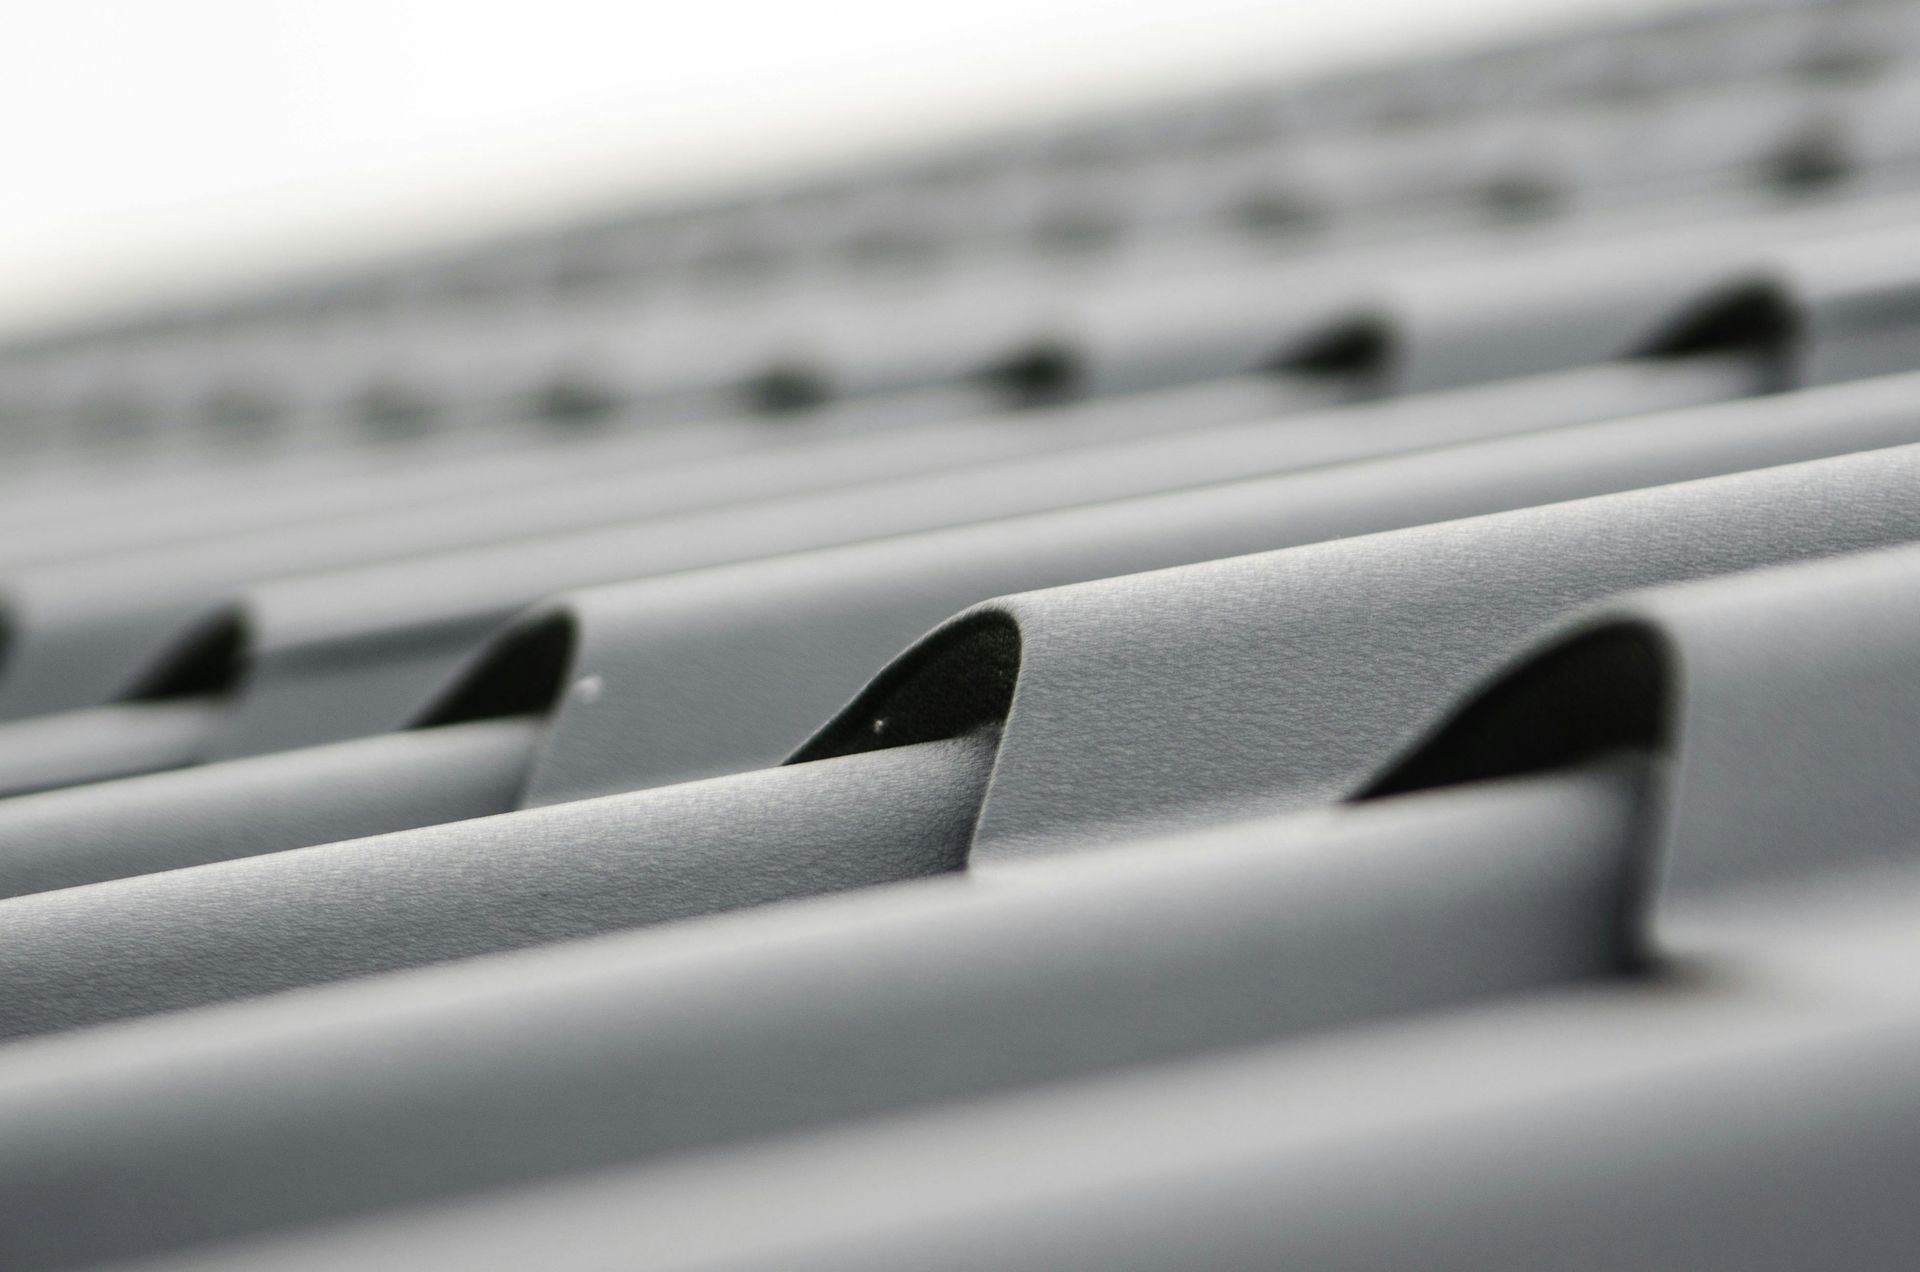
(155, 150)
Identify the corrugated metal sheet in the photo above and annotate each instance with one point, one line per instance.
(1325, 678)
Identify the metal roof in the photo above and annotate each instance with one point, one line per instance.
(1329, 677)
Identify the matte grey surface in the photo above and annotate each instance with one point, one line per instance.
(1534, 890)
(76, 623)
(728, 669)
(230, 929)
(106, 742)
(1755, 1055)
(1673, 1127)
(1271, 682)
(1257, 684)
(91, 629)
(702, 675)
(165, 821)
(713, 1033)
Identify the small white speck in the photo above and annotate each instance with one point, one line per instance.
(589, 688)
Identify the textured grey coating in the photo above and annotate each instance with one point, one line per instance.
(302, 1046)
(1443, 897)
(165, 821)
(728, 669)
(230, 929)
(772, 469)
(607, 1051)
(1855, 300)
(1672, 1127)
(1736, 1112)
(84, 630)
(1730, 1107)
(1819, 659)
(357, 651)
(1177, 669)
(113, 741)
(1276, 681)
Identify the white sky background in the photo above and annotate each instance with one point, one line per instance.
(151, 145)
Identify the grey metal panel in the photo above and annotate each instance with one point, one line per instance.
(1655, 1009)
(1257, 684)
(1858, 301)
(1381, 124)
(1761, 1054)
(701, 343)
(1677, 1126)
(1841, 304)
(880, 337)
(114, 741)
(407, 625)
(1448, 316)
(92, 512)
(1460, 326)
(1757, 1075)
(232, 929)
(1141, 328)
(599, 483)
(875, 1002)
(726, 670)
(721, 670)
(342, 444)
(217, 567)
(164, 821)
(1264, 315)
(73, 501)
(885, 595)
(1377, 634)
(1817, 658)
